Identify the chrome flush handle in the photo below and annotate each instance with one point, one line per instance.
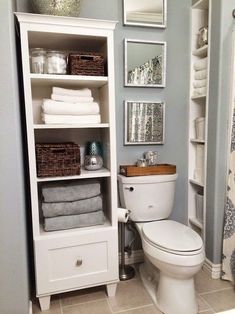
(131, 189)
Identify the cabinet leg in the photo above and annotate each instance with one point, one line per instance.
(45, 302)
(111, 289)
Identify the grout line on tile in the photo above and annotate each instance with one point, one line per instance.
(213, 291)
(210, 308)
(80, 303)
(61, 309)
(136, 308)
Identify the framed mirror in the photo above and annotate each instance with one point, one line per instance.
(144, 123)
(145, 63)
(149, 13)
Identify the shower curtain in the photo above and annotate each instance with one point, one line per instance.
(228, 263)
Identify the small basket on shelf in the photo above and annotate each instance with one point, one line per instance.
(57, 159)
(86, 63)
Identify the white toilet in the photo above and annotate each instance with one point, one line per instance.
(174, 253)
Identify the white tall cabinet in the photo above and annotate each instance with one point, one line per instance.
(82, 257)
(198, 108)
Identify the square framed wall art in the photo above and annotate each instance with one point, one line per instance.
(144, 122)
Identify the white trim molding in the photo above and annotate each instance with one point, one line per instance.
(135, 257)
(213, 269)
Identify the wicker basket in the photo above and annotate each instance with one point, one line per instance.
(61, 159)
(86, 63)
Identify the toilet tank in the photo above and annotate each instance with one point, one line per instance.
(148, 198)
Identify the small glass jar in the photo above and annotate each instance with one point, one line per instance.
(38, 60)
(56, 62)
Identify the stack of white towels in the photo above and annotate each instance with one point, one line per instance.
(200, 77)
(69, 106)
(72, 205)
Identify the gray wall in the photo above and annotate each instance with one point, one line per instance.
(14, 286)
(219, 109)
(176, 97)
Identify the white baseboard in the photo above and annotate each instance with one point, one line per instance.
(30, 307)
(136, 257)
(214, 270)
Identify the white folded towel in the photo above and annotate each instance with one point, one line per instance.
(200, 83)
(71, 99)
(200, 64)
(71, 92)
(200, 91)
(68, 119)
(63, 108)
(200, 75)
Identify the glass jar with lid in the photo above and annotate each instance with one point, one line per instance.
(38, 60)
(56, 62)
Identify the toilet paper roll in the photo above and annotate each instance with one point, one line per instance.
(123, 214)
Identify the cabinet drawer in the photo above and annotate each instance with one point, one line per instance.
(79, 261)
(74, 263)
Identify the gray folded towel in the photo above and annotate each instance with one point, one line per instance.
(70, 191)
(74, 221)
(71, 208)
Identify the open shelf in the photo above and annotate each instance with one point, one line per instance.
(71, 126)
(201, 52)
(201, 5)
(198, 97)
(196, 222)
(193, 181)
(196, 141)
(85, 174)
(74, 231)
(68, 80)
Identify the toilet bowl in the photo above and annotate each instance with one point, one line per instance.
(178, 253)
(173, 252)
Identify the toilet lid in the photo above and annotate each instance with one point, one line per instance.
(172, 236)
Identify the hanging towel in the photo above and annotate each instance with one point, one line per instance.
(74, 221)
(200, 64)
(69, 119)
(71, 92)
(63, 108)
(200, 75)
(71, 99)
(200, 91)
(72, 208)
(70, 191)
(200, 83)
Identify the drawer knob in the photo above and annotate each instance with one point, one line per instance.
(79, 262)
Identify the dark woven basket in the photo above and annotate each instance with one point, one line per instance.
(86, 63)
(57, 159)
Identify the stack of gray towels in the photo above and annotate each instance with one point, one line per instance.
(72, 205)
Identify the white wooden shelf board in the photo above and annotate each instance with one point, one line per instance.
(71, 126)
(201, 52)
(74, 231)
(194, 221)
(68, 80)
(195, 182)
(198, 97)
(85, 174)
(201, 5)
(196, 141)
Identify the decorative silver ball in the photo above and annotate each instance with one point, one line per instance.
(57, 7)
(93, 162)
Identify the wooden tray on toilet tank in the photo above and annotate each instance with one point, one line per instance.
(132, 170)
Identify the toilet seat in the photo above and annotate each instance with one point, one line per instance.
(172, 237)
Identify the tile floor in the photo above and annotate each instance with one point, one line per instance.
(214, 296)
